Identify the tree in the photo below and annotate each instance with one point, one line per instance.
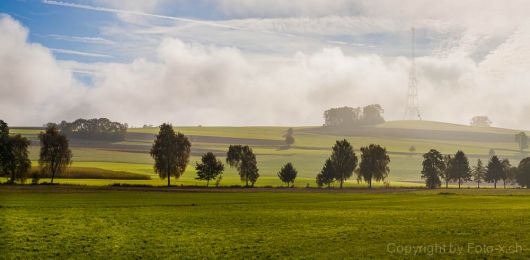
(445, 175)
(18, 163)
(171, 153)
(506, 171)
(480, 121)
(458, 168)
(433, 166)
(374, 163)
(523, 173)
(522, 140)
(288, 174)
(350, 117)
(244, 160)
(412, 149)
(372, 115)
(94, 129)
(289, 138)
(4, 148)
(344, 160)
(209, 168)
(494, 171)
(55, 155)
(326, 175)
(479, 171)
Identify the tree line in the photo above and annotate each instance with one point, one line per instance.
(456, 168)
(347, 117)
(171, 152)
(93, 129)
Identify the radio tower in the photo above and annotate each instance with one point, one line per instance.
(412, 111)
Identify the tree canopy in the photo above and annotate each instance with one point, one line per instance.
(171, 153)
(523, 173)
(522, 140)
(479, 173)
(374, 163)
(244, 160)
(351, 117)
(480, 121)
(433, 166)
(344, 160)
(458, 168)
(326, 175)
(494, 171)
(289, 137)
(94, 129)
(288, 174)
(55, 154)
(209, 168)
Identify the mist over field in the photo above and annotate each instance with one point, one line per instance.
(255, 63)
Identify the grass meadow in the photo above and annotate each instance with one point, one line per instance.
(83, 222)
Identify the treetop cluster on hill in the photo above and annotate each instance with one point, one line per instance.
(351, 117)
(94, 129)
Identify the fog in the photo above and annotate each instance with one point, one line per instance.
(194, 83)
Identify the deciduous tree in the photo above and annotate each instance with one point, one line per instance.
(171, 153)
(433, 166)
(209, 168)
(55, 155)
(344, 161)
(289, 138)
(523, 173)
(479, 171)
(374, 163)
(244, 160)
(458, 168)
(522, 140)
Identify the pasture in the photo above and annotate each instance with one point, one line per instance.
(103, 222)
(311, 148)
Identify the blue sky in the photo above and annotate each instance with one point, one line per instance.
(261, 62)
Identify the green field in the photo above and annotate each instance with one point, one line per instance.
(308, 154)
(82, 222)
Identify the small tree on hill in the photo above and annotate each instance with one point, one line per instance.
(344, 161)
(506, 172)
(412, 149)
(288, 174)
(242, 158)
(55, 155)
(171, 153)
(479, 172)
(289, 138)
(523, 173)
(374, 164)
(209, 168)
(458, 168)
(326, 175)
(18, 163)
(433, 166)
(494, 171)
(491, 152)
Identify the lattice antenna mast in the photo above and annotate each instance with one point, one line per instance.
(412, 110)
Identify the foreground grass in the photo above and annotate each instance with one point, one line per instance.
(79, 222)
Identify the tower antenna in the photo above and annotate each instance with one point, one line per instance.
(412, 110)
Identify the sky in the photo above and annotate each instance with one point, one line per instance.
(261, 62)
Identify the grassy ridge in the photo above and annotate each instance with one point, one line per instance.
(126, 224)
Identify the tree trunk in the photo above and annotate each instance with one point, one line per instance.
(53, 175)
(341, 181)
(459, 182)
(246, 182)
(504, 183)
(446, 183)
(478, 184)
(495, 184)
(370, 183)
(207, 182)
(168, 179)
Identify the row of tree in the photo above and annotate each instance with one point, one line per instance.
(54, 156)
(456, 168)
(347, 117)
(94, 129)
(342, 163)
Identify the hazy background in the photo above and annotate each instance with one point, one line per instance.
(241, 62)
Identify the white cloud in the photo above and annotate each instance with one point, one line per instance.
(191, 84)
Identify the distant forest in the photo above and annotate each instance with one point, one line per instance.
(94, 129)
(351, 117)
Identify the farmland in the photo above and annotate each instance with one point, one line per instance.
(312, 147)
(89, 222)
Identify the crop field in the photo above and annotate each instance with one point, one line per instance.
(311, 148)
(89, 222)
